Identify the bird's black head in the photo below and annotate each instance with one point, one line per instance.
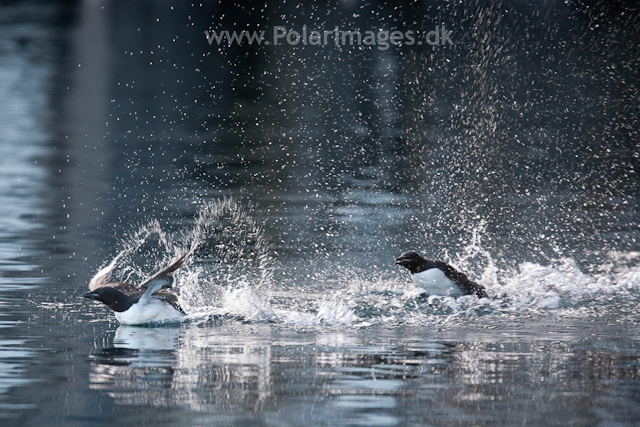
(413, 261)
(113, 298)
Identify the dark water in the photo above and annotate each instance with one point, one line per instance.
(513, 154)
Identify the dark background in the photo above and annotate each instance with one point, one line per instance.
(525, 129)
(518, 143)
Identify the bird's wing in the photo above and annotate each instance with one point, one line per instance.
(163, 278)
(468, 286)
(169, 298)
(103, 277)
(125, 288)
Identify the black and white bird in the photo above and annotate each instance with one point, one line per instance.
(150, 303)
(439, 278)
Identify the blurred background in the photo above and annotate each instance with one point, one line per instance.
(524, 131)
(518, 143)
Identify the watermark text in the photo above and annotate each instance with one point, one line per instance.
(381, 39)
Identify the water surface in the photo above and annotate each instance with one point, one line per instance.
(512, 155)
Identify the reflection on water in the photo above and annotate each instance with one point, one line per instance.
(367, 377)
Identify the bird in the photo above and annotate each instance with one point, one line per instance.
(151, 302)
(439, 278)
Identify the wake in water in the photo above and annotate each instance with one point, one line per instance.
(230, 274)
(560, 289)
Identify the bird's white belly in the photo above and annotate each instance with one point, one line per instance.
(152, 311)
(435, 282)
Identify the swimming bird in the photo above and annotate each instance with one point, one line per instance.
(149, 303)
(439, 278)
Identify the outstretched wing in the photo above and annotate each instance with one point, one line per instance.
(103, 277)
(162, 279)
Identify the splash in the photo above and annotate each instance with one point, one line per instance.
(557, 289)
(230, 267)
(230, 275)
(245, 303)
(232, 256)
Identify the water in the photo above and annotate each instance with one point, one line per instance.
(301, 174)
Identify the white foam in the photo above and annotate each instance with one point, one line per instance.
(245, 303)
(231, 275)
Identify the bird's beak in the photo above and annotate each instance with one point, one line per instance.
(91, 295)
(402, 261)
